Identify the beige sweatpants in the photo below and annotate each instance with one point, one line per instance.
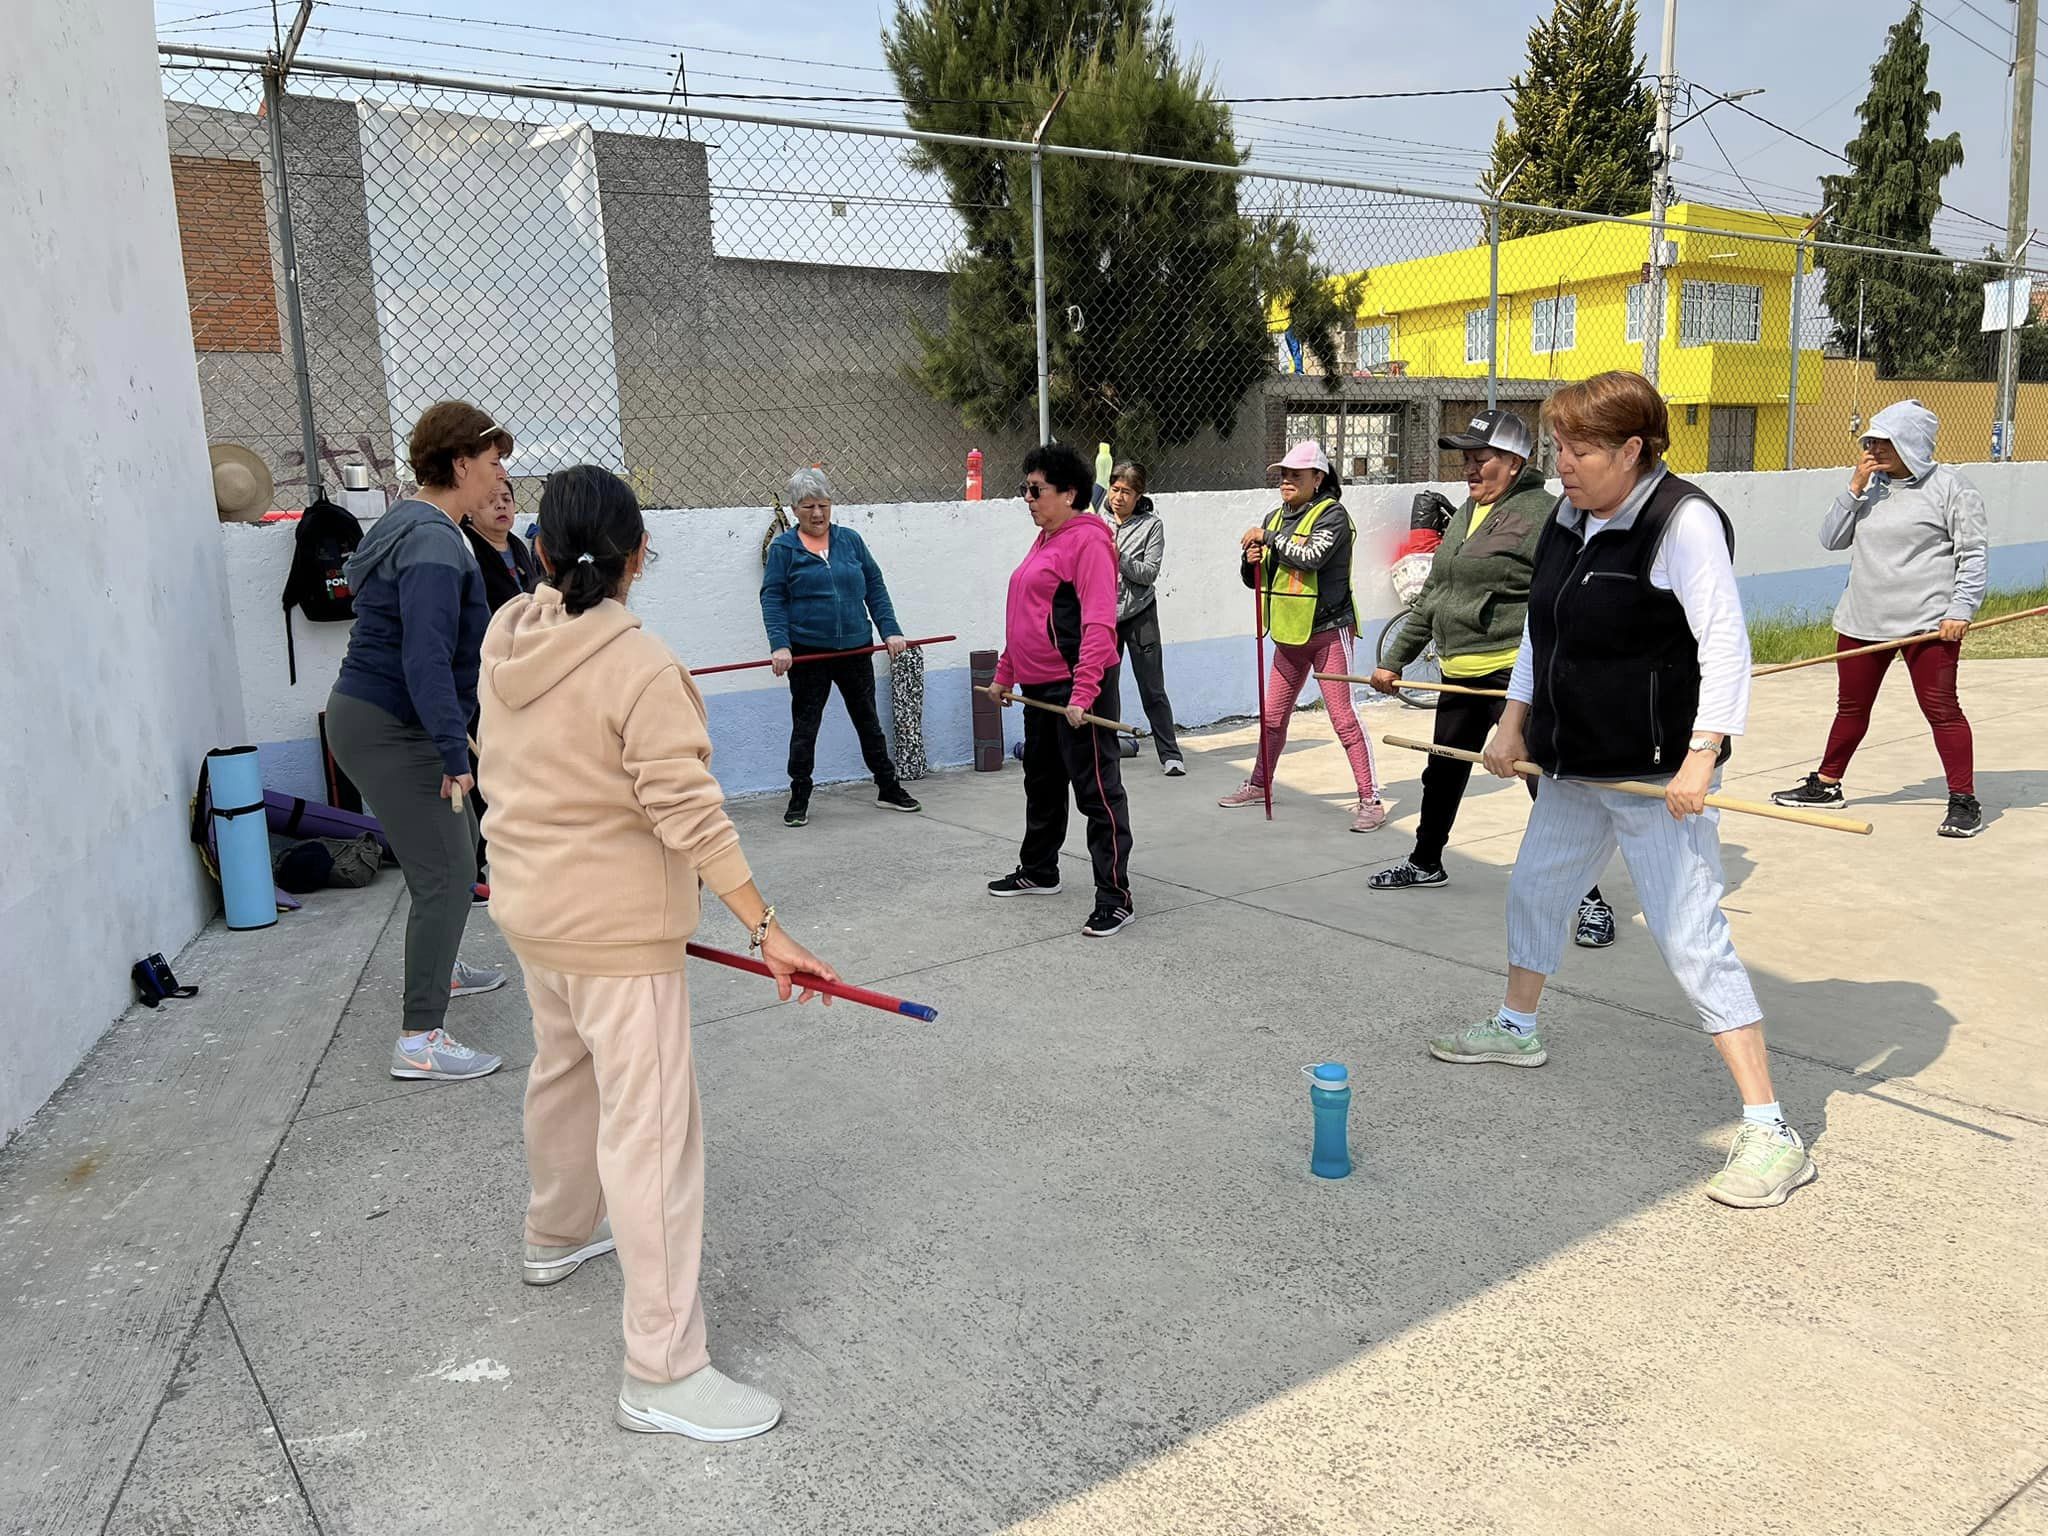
(612, 1123)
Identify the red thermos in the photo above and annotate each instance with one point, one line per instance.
(974, 474)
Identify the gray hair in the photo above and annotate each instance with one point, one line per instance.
(808, 483)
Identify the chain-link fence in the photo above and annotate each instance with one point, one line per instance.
(705, 301)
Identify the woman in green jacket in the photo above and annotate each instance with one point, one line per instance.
(1473, 605)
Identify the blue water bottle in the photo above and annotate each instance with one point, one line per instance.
(1329, 1095)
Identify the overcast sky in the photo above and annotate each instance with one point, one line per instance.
(1811, 56)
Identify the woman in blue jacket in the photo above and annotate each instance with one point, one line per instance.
(821, 592)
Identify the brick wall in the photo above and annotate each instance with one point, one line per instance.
(226, 242)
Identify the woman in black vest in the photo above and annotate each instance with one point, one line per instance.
(1634, 665)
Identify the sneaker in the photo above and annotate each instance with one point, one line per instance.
(437, 1057)
(1108, 918)
(1490, 1041)
(548, 1266)
(1808, 792)
(1246, 793)
(799, 812)
(897, 798)
(480, 895)
(1368, 816)
(1965, 817)
(1021, 884)
(1405, 876)
(468, 980)
(705, 1405)
(1764, 1166)
(1596, 924)
(1174, 768)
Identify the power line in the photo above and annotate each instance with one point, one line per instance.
(1767, 213)
(2003, 62)
(1463, 90)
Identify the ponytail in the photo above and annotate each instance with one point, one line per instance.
(590, 530)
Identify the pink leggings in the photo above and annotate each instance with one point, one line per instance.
(1327, 650)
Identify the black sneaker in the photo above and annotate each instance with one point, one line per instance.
(897, 798)
(1810, 791)
(1965, 817)
(1596, 924)
(1109, 917)
(799, 812)
(1021, 884)
(1406, 875)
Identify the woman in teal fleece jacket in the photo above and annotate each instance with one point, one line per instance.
(821, 591)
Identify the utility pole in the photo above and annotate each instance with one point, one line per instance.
(1038, 267)
(2016, 216)
(1660, 192)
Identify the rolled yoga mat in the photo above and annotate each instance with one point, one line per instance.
(241, 837)
(292, 817)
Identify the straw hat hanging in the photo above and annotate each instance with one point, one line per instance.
(242, 485)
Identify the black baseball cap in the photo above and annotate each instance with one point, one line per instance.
(1503, 430)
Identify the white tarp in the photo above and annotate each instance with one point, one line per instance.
(487, 246)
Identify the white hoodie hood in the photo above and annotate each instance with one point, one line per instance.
(1909, 427)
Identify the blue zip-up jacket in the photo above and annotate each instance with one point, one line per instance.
(420, 621)
(824, 605)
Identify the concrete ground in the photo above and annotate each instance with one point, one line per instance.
(1056, 1264)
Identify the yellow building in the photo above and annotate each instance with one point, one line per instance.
(1574, 303)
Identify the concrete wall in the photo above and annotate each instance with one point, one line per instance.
(120, 669)
(948, 566)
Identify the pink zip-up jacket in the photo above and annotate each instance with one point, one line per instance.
(1061, 615)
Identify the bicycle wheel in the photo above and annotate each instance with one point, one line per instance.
(1426, 668)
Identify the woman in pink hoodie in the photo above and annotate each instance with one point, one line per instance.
(1060, 648)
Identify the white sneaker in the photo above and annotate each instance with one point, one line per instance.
(545, 1265)
(1174, 768)
(705, 1405)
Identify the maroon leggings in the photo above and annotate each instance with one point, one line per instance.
(1932, 666)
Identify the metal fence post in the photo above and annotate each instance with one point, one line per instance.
(1493, 306)
(1792, 373)
(273, 104)
(2005, 428)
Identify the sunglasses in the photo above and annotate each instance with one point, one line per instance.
(1032, 492)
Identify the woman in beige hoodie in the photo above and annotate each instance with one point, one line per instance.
(604, 820)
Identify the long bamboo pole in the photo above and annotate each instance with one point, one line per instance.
(1408, 687)
(1653, 792)
(1895, 645)
(1061, 710)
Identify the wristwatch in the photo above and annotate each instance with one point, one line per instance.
(1703, 744)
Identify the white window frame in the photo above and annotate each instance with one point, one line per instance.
(1381, 350)
(1475, 325)
(1716, 314)
(1637, 325)
(1554, 323)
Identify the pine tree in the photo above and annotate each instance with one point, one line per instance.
(1917, 315)
(1583, 119)
(1159, 285)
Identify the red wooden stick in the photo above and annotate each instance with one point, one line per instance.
(797, 661)
(1259, 630)
(851, 993)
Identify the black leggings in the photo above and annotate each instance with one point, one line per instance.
(1462, 722)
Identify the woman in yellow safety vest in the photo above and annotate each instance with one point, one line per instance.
(1299, 561)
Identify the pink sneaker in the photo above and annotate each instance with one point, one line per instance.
(1370, 816)
(1246, 793)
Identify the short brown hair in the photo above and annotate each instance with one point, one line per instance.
(451, 430)
(1611, 408)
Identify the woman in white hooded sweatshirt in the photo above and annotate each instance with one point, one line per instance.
(1916, 536)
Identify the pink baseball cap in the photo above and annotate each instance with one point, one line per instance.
(1307, 454)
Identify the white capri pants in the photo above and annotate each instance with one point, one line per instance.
(1574, 827)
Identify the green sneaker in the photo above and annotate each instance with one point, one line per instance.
(1488, 1041)
(1764, 1166)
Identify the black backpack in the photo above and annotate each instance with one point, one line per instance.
(328, 534)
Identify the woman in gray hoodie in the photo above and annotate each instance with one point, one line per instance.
(1140, 551)
(1916, 536)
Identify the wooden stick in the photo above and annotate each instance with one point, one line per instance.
(1652, 792)
(1061, 711)
(1893, 645)
(797, 661)
(1259, 737)
(810, 983)
(1477, 693)
(455, 798)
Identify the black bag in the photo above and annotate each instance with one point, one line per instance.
(154, 982)
(328, 534)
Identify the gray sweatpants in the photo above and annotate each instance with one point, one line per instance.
(1574, 828)
(399, 771)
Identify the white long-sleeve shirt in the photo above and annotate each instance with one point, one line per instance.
(1692, 563)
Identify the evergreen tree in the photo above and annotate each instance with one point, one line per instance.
(1159, 285)
(1583, 119)
(1917, 315)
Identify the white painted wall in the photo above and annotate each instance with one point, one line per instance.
(948, 566)
(119, 672)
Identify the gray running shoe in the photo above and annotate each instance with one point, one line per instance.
(438, 1058)
(468, 980)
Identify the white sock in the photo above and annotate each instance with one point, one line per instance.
(1765, 1114)
(1514, 1021)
